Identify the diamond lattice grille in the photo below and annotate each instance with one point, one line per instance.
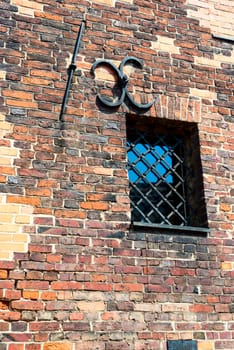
(155, 169)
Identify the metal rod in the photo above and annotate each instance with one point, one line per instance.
(71, 70)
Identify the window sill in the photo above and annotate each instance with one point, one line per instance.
(223, 38)
(176, 228)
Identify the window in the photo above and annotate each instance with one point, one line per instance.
(181, 345)
(164, 171)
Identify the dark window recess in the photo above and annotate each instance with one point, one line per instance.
(165, 174)
(181, 345)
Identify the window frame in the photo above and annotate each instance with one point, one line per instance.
(188, 132)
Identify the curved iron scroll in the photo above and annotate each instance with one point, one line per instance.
(122, 83)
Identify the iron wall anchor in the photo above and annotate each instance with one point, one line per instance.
(71, 70)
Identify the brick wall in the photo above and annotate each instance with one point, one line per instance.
(214, 15)
(73, 273)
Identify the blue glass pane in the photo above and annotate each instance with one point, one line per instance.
(141, 167)
(150, 163)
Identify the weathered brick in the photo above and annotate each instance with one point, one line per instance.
(60, 305)
(33, 284)
(11, 294)
(66, 285)
(16, 347)
(57, 346)
(44, 326)
(27, 305)
(91, 306)
(76, 270)
(201, 308)
(33, 347)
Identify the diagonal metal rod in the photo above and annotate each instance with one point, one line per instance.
(71, 70)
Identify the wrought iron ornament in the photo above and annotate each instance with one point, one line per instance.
(122, 83)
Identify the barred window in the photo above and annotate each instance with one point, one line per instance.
(165, 174)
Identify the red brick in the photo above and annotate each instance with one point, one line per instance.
(33, 347)
(128, 287)
(12, 294)
(97, 286)
(66, 285)
(4, 326)
(10, 315)
(33, 284)
(201, 308)
(16, 346)
(76, 316)
(27, 305)
(6, 284)
(8, 265)
(41, 337)
(44, 326)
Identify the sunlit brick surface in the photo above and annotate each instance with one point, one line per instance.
(74, 273)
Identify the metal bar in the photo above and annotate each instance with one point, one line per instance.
(71, 70)
(146, 215)
(149, 162)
